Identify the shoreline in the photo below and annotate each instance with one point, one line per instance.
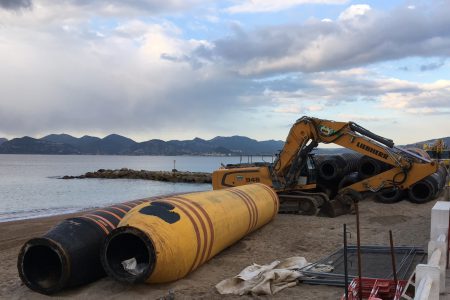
(57, 212)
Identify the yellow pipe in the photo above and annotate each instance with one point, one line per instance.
(166, 239)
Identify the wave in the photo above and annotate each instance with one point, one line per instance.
(38, 213)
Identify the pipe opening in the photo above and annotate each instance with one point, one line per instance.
(368, 168)
(421, 190)
(328, 170)
(128, 255)
(390, 194)
(42, 268)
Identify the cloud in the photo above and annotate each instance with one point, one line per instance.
(123, 81)
(85, 8)
(426, 98)
(359, 118)
(322, 91)
(258, 6)
(354, 12)
(432, 66)
(358, 37)
(15, 4)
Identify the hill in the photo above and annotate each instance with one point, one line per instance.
(115, 144)
(28, 145)
(119, 145)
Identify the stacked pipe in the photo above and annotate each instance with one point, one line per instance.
(368, 167)
(165, 237)
(67, 255)
(337, 166)
(429, 187)
(333, 171)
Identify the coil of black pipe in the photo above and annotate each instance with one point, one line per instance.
(428, 188)
(392, 195)
(368, 166)
(349, 179)
(68, 255)
(337, 166)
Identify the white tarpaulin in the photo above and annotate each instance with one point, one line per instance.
(264, 280)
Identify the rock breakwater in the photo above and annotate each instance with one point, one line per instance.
(167, 176)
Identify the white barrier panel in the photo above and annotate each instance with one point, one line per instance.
(423, 291)
(430, 277)
(441, 245)
(425, 274)
(439, 219)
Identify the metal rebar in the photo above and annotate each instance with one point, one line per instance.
(345, 263)
(394, 270)
(358, 244)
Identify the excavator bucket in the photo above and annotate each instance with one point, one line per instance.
(342, 204)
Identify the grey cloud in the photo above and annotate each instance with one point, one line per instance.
(15, 4)
(147, 6)
(319, 46)
(432, 66)
(86, 93)
(194, 62)
(330, 89)
(109, 7)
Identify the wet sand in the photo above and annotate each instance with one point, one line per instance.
(285, 236)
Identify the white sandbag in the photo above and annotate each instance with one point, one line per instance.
(264, 279)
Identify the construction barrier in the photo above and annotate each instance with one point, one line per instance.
(165, 240)
(430, 277)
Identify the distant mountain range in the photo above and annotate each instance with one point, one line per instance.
(119, 145)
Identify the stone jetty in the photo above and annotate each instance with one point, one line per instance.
(167, 176)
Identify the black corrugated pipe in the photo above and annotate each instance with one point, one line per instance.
(337, 166)
(368, 167)
(422, 191)
(319, 158)
(349, 180)
(68, 255)
(390, 195)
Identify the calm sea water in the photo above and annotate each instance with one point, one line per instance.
(29, 187)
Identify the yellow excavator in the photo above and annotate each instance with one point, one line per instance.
(293, 173)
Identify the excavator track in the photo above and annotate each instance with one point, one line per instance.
(302, 203)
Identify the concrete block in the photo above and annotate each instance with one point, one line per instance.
(439, 219)
(433, 273)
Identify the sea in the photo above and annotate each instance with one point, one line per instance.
(30, 186)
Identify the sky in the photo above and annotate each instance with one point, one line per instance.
(179, 69)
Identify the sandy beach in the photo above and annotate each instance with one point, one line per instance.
(286, 236)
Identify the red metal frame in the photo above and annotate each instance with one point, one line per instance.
(375, 289)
